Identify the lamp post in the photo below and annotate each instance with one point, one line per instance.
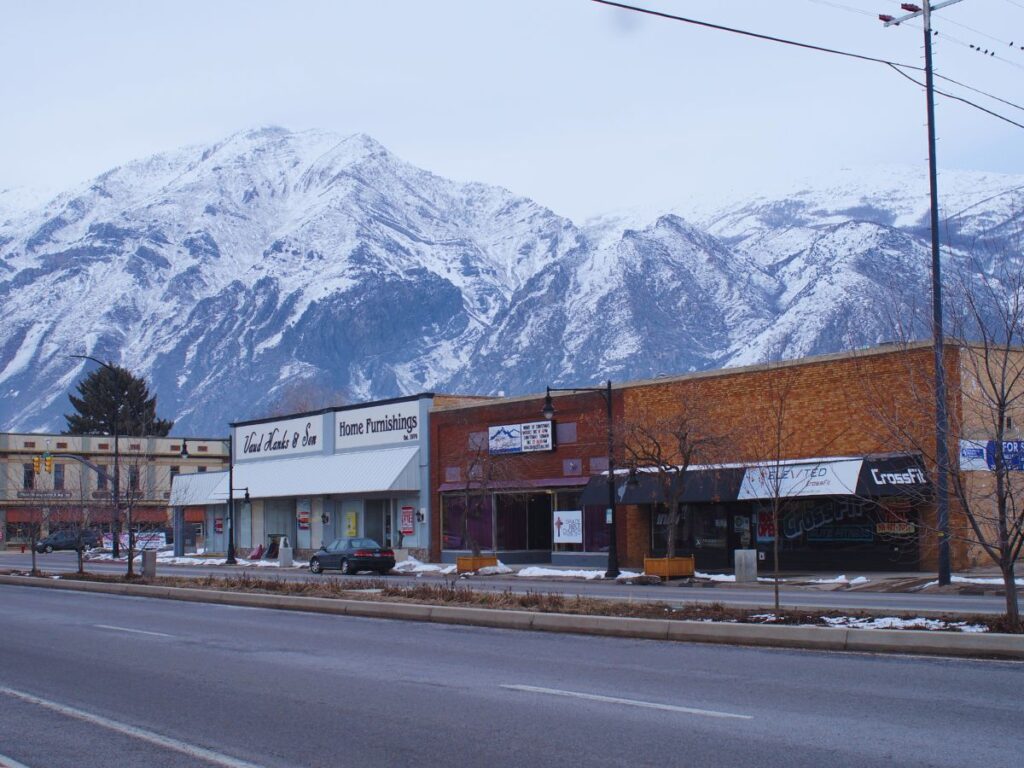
(115, 483)
(231, 497)
(549, 413)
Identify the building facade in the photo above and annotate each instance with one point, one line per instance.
(840, 446)
(357, 470)
(74, 487)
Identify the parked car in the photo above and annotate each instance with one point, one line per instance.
(68, 540)
(352, 556)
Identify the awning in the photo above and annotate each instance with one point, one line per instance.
(702, 484)
(506, 485)
(868, 476)
(379, 471)
(199, 489)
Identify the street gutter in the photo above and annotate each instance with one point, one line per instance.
(972, 645)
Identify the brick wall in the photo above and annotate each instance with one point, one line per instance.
(875, 401)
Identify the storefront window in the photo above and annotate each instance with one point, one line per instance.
(512, 521)
(596, 536)
(461, 531)
(659, 530)
(842, 532)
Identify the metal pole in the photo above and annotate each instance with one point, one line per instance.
(231, 506)
(613, 544)
(117, 486)
(941, 414)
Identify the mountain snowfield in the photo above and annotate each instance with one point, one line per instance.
(235, 275)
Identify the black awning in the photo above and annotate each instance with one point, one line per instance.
(893, 476)
(701, 485)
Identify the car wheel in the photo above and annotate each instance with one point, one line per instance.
(48, 549)
(384, 571)
(345, 568)
(315, 566)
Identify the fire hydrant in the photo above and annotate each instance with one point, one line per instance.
(23, 549)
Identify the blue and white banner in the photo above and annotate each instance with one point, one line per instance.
(981, 455)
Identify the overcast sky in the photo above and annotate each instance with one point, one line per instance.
(585, 108)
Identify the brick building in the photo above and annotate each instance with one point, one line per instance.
(842, 442)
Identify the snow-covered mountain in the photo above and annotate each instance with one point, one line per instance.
(233, 274)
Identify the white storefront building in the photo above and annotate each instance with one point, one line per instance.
(357, 470)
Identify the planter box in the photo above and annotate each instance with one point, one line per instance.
(470, 564)
(667, 567)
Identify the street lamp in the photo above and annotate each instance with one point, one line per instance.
(549, 414)
(231, 497)
(115, 484)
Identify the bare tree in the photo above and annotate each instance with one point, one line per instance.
(666, 447)
(985, 375)
(992, 399)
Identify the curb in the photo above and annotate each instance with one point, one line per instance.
(980, 645)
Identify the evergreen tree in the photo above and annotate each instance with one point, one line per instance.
(114, 401)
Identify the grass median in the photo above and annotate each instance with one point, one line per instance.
(454, 593)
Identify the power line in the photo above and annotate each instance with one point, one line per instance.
(756, 35)
(897, 66)
(959, 98)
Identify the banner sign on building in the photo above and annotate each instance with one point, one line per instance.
(981, 454)
(407, 524)
(303, 510)
(769, 481)
(377, 425)
(568, 527)
(520, 438)
(278, 439)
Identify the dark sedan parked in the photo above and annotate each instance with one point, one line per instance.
(352, 556)
(68, 540)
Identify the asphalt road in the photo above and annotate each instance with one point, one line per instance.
(734, 595)
(105, 680)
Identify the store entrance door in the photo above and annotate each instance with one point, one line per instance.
(376, 524)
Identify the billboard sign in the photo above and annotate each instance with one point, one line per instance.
(531, 437)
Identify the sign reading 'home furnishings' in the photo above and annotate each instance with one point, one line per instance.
(520, 438)
(278, 439)
(377, 425)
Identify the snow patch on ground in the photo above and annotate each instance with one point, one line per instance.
(715, 576)
(412, 565)
(167, 558)
(589, 574)
(997, 581)
(894, 622)
(494, 570)
(842, 580)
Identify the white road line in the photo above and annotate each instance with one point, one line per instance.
(130, 730)
(10, 762)
(133, 631)
(627, 702)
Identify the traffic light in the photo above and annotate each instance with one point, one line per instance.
(36, 463)
(48, 463)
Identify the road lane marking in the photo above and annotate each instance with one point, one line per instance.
(133, 631)
(10, 762)
(130, 730)
(627, 702)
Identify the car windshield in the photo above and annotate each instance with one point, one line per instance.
(363, 544)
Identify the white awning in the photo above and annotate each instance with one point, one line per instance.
(199, 489)
(386, 469)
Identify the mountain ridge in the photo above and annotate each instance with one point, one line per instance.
(235, 273)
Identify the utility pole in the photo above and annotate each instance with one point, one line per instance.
(941, 406)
